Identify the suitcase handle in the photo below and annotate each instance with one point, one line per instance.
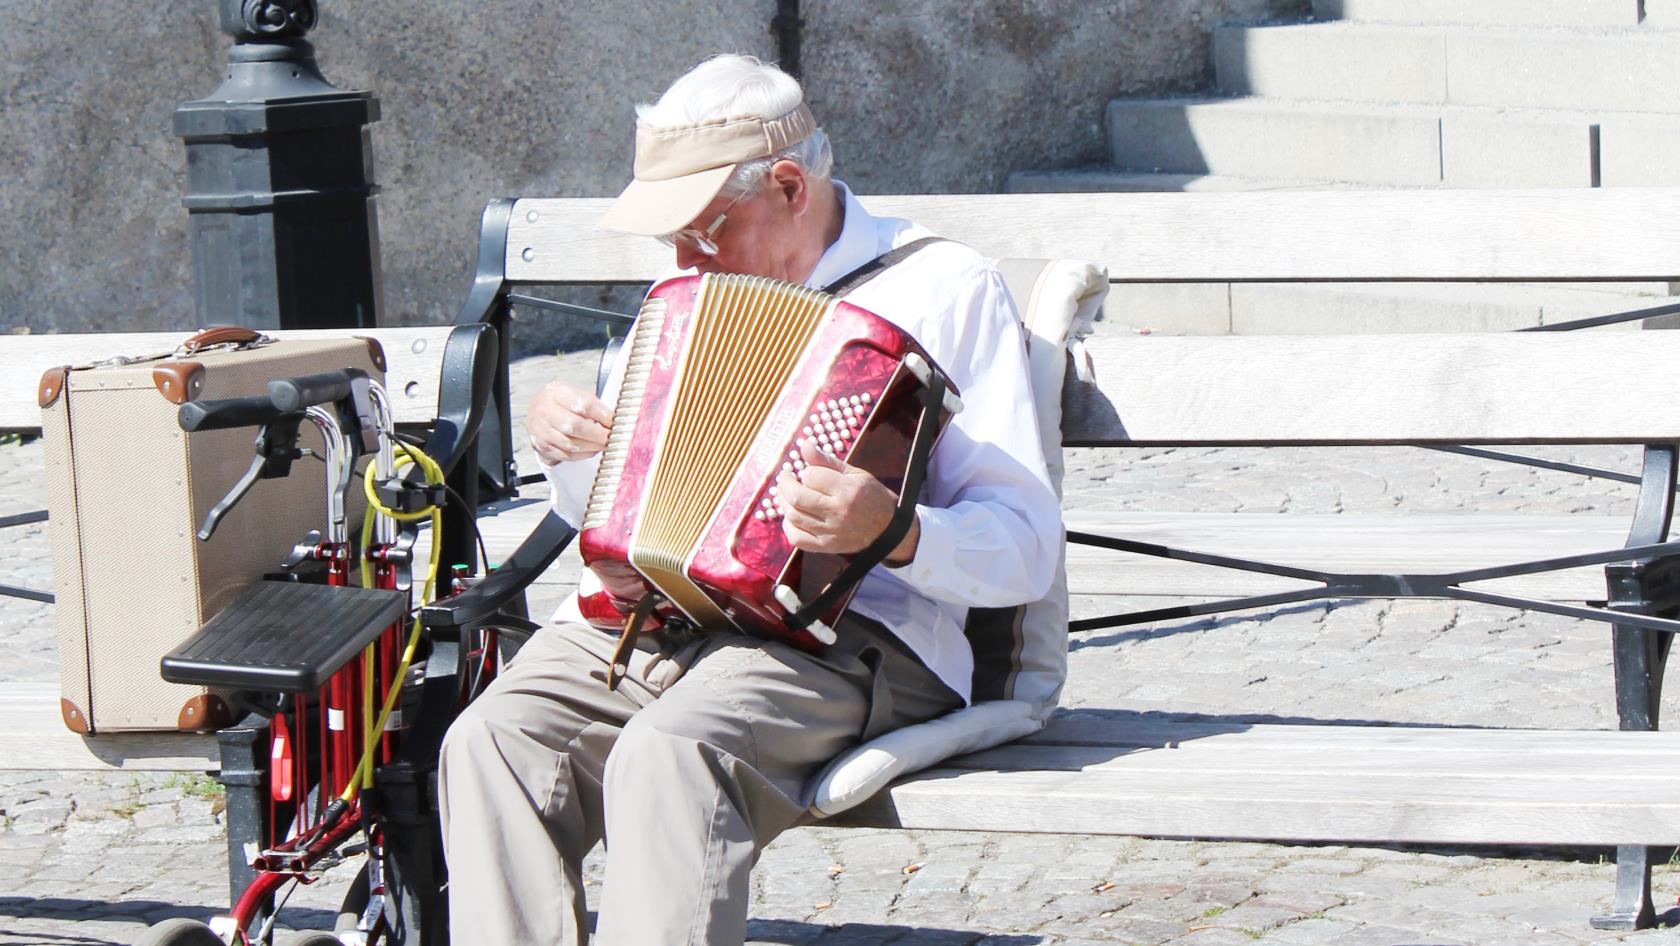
(220, 335)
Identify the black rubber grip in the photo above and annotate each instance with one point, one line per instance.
(295, 394)
(222, 413)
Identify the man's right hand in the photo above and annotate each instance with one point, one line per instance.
(567, 424)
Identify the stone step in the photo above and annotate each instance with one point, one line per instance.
(1483, 12)
(1630, 70)
(1368, 308)
(1108, 180)
(1385, 145)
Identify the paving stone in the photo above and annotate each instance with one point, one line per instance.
(1214, 937)
(1131, 929)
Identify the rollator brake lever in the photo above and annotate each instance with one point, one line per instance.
(225, 505)
(276, 444)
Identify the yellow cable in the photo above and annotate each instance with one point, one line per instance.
(363, 776)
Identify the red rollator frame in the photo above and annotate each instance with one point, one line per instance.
(325, 743)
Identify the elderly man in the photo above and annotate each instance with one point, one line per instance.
(703, 754)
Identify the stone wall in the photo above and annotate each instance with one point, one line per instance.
(521, 97)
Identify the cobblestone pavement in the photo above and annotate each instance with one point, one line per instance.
(93, 858)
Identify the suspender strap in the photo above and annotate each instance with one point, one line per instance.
(878, 265)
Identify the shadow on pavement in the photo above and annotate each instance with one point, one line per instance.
(1096, 638)
(144, 912)
(796, 933)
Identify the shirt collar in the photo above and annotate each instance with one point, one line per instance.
(858, 242)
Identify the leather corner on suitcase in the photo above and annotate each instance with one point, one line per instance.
(178, 381)
(376, 351)
(74, 719)
(205, 711)
(52, 385)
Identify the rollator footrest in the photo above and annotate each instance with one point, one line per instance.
(282, 636)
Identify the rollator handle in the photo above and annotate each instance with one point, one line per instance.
(295, 394)
(223, 413)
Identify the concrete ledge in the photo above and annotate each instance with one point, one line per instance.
(1627, 69)
(1622, 70)
(1331, 61)
(1169, 308)
(1268, 138)
(1485, 12)
(1108, 180)
(1364, 308)
(1639, 150)
(1254, 143)
(1662, 14)
(1496, 149)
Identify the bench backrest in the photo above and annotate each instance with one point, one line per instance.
(1630, 234)
(1435, 389)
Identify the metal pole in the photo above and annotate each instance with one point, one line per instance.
(280, 182)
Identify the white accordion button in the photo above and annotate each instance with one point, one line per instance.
(865, 397)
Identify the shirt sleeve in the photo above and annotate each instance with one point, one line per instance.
(569, 482)
(990, 522)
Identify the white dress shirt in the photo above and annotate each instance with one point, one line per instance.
(990, 522)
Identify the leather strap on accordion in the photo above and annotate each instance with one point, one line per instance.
(921, 448)
(878, 265)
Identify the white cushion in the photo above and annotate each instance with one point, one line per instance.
(867, 769)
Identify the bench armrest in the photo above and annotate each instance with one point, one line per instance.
(465, 386)
(481, 601)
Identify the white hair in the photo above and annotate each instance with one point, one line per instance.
(729, 85)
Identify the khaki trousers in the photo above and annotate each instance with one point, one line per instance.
(696, 762)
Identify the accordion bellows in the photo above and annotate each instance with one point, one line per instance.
(725, 377)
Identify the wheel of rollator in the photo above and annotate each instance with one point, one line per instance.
(355, 901)
(179, 931)
(310, 938)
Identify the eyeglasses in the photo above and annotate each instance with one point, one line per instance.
(703, 241)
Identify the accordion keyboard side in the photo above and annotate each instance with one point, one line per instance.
(745, 339)
(650, 324)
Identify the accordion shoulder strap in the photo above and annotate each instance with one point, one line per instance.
(878, 265)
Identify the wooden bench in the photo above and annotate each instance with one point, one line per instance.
(1092, 771)
(1096, 772)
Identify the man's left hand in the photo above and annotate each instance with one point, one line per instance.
(832, 506)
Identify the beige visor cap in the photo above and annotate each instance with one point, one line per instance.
(680, 168)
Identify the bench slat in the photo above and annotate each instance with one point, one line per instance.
(1347, 542)
(1228, 797)
(1121, 729)
(1547, 235)
(413, 357)
(1234, 759)
(1581, 388)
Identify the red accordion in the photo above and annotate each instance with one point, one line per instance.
(725, 378)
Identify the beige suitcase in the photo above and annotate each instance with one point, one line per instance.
(127, 490)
